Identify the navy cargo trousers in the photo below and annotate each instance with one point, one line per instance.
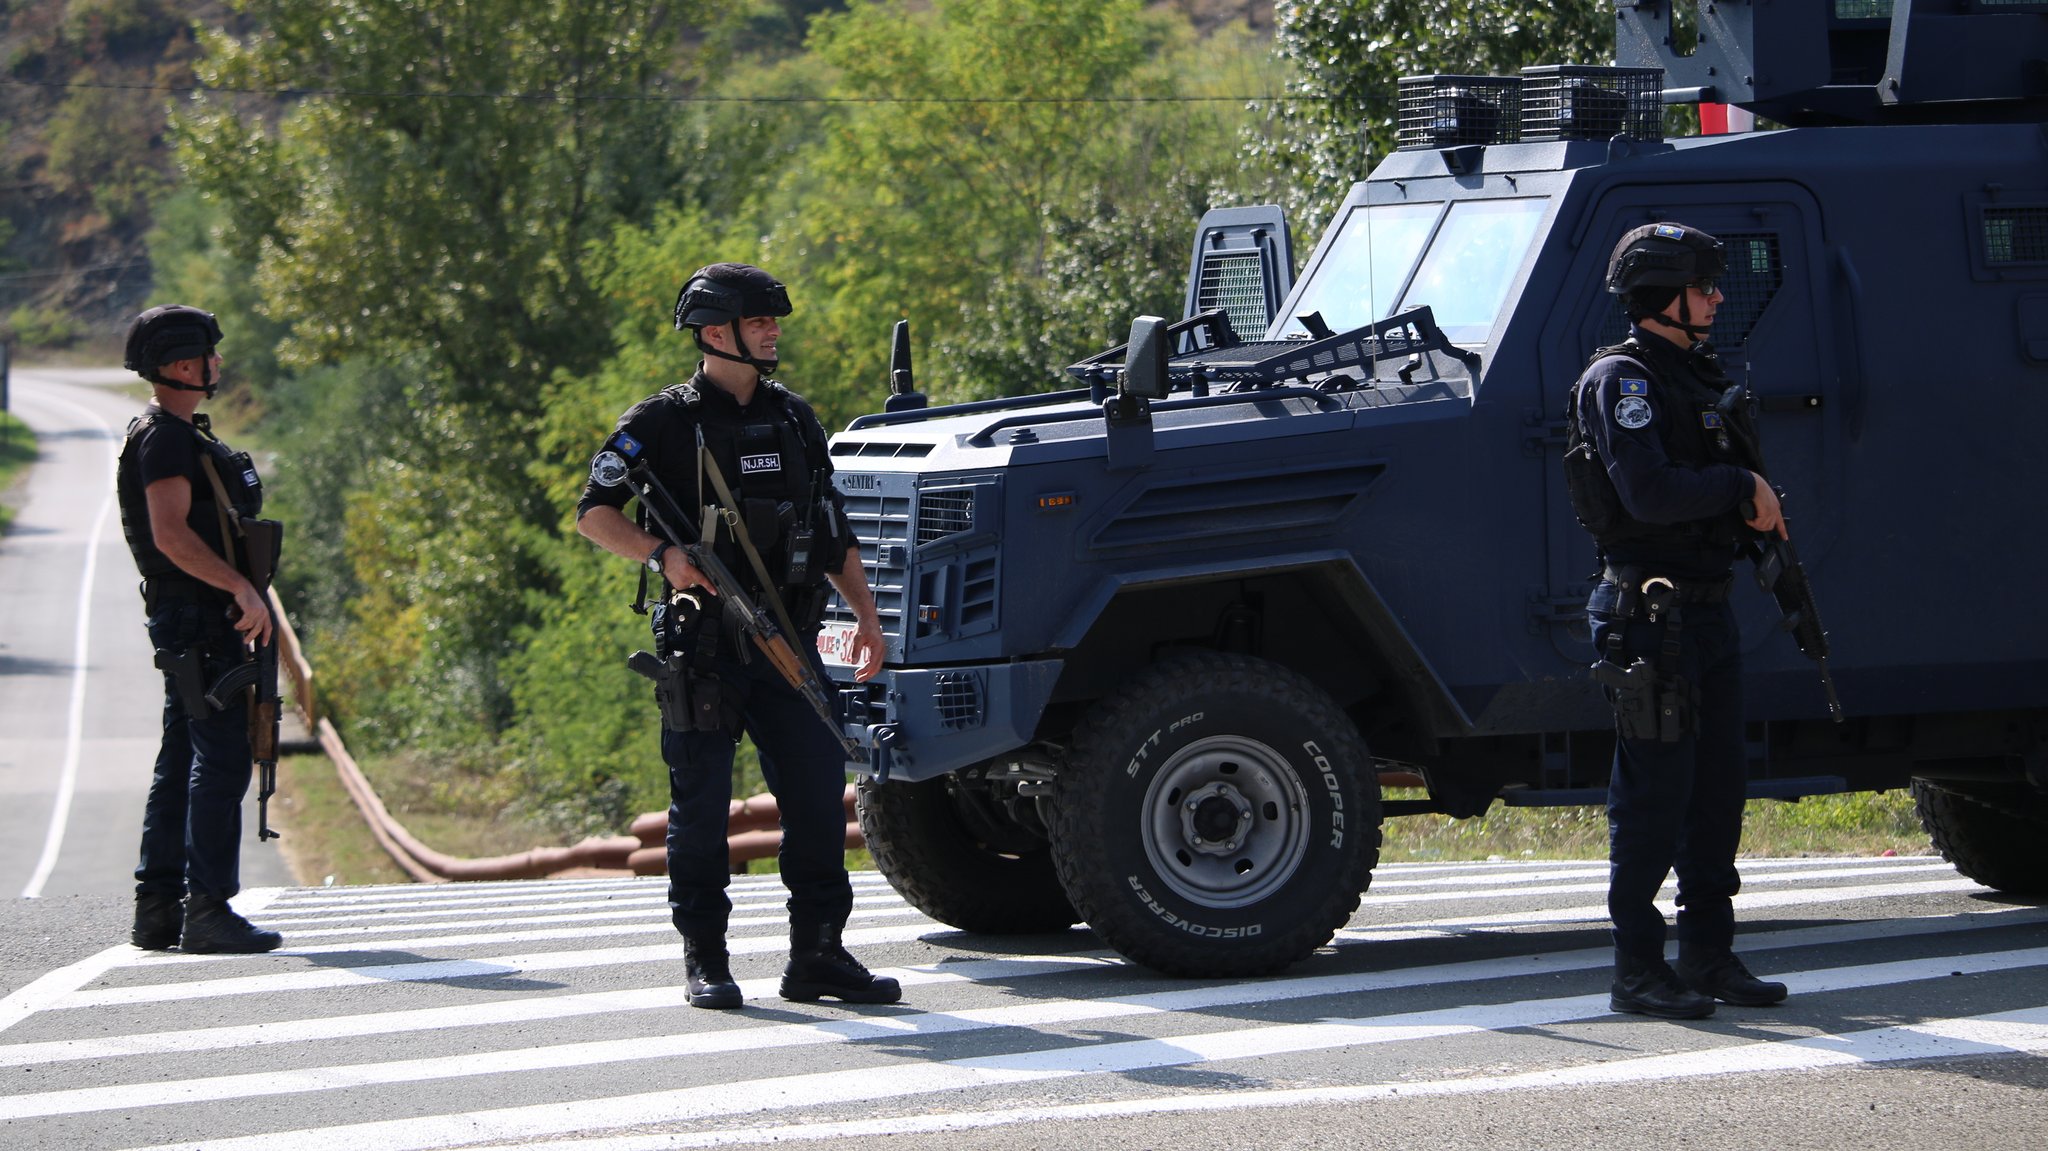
(804, 767)
(1677, 805)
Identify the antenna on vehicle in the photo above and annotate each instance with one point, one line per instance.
(903, 393)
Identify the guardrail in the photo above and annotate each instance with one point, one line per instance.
(753, 825)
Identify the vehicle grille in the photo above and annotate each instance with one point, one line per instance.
(959, 696)
(882, 521)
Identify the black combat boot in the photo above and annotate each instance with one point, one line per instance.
(819, 966)
(1650, 987)
(707, 973)
(212, 927)
(1716, 972)
(159, 920)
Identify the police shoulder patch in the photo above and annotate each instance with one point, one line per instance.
(1632, 412)
(1634, 387)
(607, 469)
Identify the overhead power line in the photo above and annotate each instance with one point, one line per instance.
(648, 97)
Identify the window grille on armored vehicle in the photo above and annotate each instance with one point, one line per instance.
(1235, 283)
(2015, 236)
(942, 513)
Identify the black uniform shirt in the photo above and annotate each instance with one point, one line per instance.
(662, 430)
(163, 447)
(1657, 434)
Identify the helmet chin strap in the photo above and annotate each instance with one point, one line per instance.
(765, 367)
(1698, 332)
(206, 383)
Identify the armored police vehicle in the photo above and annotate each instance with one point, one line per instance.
(1156, 643)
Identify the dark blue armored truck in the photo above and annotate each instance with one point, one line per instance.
(1156, 642)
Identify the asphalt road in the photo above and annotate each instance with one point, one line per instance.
(79, 698)
(1463, 1006)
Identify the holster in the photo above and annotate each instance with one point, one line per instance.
(1651, 701)
(1646, 705)
(671, 690)
(187, 670)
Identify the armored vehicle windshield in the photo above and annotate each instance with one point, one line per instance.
(1459, 260)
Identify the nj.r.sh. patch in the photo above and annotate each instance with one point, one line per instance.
(760, 462)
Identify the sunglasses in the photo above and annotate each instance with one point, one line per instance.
(1706, 287)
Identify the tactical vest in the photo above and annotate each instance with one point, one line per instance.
(779, 479)
(1688, 438)
(237, 476)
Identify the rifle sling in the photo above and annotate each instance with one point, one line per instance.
(226, 510)
(707, 463)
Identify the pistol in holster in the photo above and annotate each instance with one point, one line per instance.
(690, 698)
(1646, 705)
(187, 670)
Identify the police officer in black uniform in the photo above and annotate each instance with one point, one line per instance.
(1654, 477)
(204, 614)
(768, 447)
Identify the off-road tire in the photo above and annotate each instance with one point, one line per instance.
(1996, 835)
(1218, 817)
(927, 852)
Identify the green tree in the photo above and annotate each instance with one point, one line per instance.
(1349, 54)
(978, 154)
(425, 204)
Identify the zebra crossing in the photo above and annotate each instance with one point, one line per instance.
(549, 1013)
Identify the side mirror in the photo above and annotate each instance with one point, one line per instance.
(1145, 362)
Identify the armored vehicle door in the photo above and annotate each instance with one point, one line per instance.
(1776, 331)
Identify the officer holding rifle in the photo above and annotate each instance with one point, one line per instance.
(742, 460)
(188, 503)
(1661, 469)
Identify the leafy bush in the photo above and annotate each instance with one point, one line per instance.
(38, 326)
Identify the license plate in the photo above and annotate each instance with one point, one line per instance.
(835, 644)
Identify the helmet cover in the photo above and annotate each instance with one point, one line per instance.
(1664, 255)
(721, 293)
(168, 333)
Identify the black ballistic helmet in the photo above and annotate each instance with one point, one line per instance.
(726, 294)
(1664, 256)
(721, 293)
(166, 334)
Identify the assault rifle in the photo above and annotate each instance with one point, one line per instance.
(754, 623)
(262, 542)
(1778, 570)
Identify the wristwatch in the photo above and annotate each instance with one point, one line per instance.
(654, 557)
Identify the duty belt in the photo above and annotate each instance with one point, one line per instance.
(1638, 580)
(164, 592)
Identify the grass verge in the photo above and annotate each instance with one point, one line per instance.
(327, 835)
(17, 451)
(1860, 823)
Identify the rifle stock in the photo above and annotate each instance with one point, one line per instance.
(753, 622)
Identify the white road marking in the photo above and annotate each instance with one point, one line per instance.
(2017, 1031)
(2005, 1033)
(74, 728)
(1268, 1040)
(671, 950)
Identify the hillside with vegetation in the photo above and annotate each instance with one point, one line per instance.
(444, 241)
